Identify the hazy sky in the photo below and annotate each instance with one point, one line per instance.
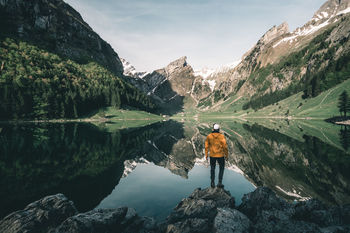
(152, 33)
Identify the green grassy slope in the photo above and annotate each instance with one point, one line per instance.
(323, 106)
(111, 119)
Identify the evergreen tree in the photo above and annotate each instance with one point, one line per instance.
(343, 103)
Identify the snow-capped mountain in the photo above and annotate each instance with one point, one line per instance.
(130, 70)
(327, 14)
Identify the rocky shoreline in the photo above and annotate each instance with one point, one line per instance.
(205, 210)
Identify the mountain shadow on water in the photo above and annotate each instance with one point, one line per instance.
(78, 160)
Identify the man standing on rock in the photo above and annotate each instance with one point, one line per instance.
(216, 145)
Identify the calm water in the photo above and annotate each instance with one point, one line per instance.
(152, 168)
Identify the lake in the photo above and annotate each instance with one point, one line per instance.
(151, 168)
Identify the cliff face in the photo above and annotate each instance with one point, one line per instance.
(60, 29)
(170, 86)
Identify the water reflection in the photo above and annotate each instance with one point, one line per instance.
(153, 167)
(344, 135)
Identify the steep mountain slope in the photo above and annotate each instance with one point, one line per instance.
(36, 84)
(58, 28)
(175, 88)
(313, 59)
(53, 65)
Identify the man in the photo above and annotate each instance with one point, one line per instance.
(216, 145)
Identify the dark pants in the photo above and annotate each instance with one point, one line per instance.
(212, 167)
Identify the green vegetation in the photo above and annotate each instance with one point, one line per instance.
(322, 106)
(36, 84)
(318, 78)
(344, 103)
(111, 119)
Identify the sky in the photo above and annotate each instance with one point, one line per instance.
(211, 33)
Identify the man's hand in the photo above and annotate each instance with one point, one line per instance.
(206, 157)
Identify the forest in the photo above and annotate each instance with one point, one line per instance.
(36, 84)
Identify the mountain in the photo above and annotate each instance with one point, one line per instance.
(312, 59)
(171, 87)
(53, 65)
(176, 87)
(55, 26)
(130, 70)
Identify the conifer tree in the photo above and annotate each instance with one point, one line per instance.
(344, 103)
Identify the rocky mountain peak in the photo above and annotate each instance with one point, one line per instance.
(177, 64)
(274, 32)
(332, 8)
(130, 70)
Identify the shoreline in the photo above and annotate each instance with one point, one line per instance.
(205, 210)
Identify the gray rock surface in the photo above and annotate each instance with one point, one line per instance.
(207, 210)
(270, 213)
(231, 221)
(122, 219)
(197, 212)
(59, 28)
(39, 216)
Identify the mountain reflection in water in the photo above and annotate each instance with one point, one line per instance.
(153, 167)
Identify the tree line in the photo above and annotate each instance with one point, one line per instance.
(36, 84)
(344, 103)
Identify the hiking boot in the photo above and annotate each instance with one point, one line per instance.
(212, 184)
(220, 185)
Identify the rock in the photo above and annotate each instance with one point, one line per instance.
(274, 33)
(197, 212)
(263, 199)
(122, 219)
(279, 221)
(93, 221)
(56, 26)
(176, 65)
(221, 197)
(193, 208)
(231, 220)
(39, 216)
(316, 212)
(189, 226)
(207, 210)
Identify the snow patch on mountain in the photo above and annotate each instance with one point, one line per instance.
(311, 29)
(301, 32)
(212, 84)
(129, 70)
(347, 10)
(206, 73)
(314, 27)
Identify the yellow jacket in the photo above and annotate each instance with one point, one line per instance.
(216, 145)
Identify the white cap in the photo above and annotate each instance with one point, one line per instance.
(216, 126)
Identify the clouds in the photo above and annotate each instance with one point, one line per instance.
(152, 33)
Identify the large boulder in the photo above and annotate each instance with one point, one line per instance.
(197, 212)
(263, 199)
(231, 221)
(39, 216)
(270, 213)
(122, 219)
